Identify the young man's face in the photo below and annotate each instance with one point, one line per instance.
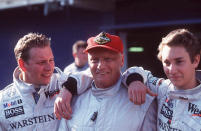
(81, 57)
(178, 66)
(105, 66)
(40, 66)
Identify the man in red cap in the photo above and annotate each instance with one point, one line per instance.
(105, 106)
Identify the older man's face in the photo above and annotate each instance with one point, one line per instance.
(105, 66)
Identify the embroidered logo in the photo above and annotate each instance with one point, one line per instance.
(51, 94)
(193, 108)
(12, 103)
(14, 112)
(102, 38)
(33, 121)
(165, 126)
(166, 112)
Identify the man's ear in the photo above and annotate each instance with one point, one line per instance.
(22, 64)
(74, 55)
(196, 60)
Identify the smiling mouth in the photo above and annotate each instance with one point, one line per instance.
(46, 75)
(102, 73)
(174, 78)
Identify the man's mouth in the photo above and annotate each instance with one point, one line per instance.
(175, 78)
(47, 75)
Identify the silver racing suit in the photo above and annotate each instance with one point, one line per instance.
(19, 110)
(178, 110)
(105, 109)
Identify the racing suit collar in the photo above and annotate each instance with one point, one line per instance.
(23, 86)
(190, 94)
(106, 92)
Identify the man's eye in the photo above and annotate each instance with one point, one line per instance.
(41, 63)
(94, 60)
(52, 60)
(167, 63)
(108, 59)
(179, 62)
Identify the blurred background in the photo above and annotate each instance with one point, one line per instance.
(140, 23)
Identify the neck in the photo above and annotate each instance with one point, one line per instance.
(190, 85)
(79, 65)
(23, 78)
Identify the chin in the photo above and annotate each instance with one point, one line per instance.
(46, 82)
(178, 85)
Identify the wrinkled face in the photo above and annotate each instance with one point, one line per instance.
(105, 66)
(81, 57)
(178, 66)
(40, 66)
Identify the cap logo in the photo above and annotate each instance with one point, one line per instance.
(102, 38)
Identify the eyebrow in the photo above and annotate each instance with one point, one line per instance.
(179, 58)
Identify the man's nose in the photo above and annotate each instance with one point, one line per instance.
(48, 66)
(101, 64)
(172, 69)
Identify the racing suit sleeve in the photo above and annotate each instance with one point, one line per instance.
(63, 125)
(145, 76)
(78, 82)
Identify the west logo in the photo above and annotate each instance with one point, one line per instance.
(50, 94)
(194, 109)
(14, 112)
(12, 103)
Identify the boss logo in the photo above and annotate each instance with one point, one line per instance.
(14, 112)
(166, 112)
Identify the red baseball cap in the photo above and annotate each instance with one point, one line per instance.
(105, 40)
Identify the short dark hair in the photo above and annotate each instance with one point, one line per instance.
(79, 44)
(184, 38)
(29, 41)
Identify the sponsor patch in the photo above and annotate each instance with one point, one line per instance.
(102, 38)
(50, 94)
(166, 112)
(12, 103)
(154, 81)
(169, 102)
(183, 98)
(14, 112)
(193, 108)
(33, 121)
(166, 127)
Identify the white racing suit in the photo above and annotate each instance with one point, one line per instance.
(178, 110)
(104, 109)
(19, 110)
